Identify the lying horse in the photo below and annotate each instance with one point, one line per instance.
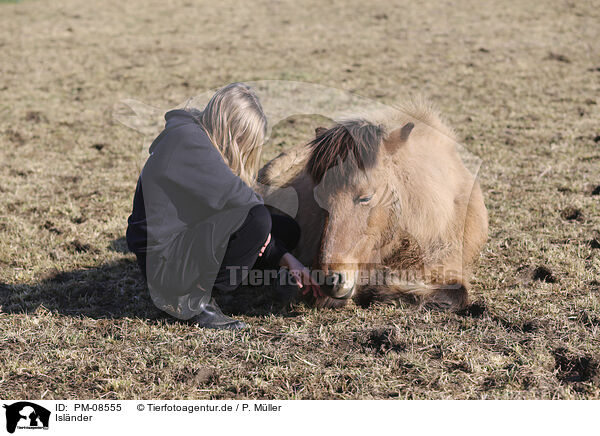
(386, 196)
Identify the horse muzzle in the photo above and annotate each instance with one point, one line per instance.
(339, 285)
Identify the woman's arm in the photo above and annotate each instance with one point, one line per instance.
(301, 274)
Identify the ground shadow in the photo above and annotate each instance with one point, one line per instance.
(118, 290)
(113, 290)
(119, 245)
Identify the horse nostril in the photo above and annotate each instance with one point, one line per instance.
(338, 285)
(335, 279)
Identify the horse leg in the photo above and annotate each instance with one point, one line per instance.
(439, 288)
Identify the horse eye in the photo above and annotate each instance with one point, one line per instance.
(365, 199)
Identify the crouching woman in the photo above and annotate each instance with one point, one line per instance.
(197, 225)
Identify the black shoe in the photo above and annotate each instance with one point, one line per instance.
(212, 318)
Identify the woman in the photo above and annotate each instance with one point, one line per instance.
(196, 224)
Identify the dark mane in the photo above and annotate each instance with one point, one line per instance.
(358, 140)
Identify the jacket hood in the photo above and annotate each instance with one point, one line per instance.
(174, 118)
(177, 117)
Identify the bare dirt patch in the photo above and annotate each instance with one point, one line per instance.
(383, 340)
(574, 367)
(572, 213)
(543, 274)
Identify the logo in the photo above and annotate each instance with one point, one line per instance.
(26, 415)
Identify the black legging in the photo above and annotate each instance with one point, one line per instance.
(245, 244)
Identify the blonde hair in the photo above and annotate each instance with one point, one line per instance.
(236, 125)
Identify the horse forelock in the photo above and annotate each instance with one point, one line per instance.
(349, 145)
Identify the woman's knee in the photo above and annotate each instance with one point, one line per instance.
(286, 229)
(257, 225)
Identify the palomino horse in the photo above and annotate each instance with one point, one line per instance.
(386, 208)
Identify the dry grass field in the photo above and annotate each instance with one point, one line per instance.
(520, 83)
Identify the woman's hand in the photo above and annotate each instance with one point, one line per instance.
(301, 274)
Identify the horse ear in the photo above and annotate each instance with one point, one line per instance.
(319, 131)
(398, 137)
